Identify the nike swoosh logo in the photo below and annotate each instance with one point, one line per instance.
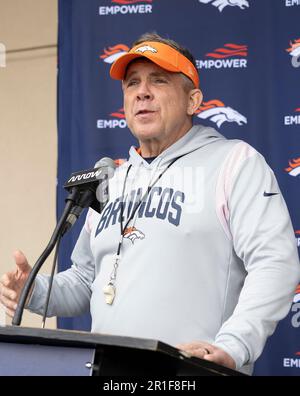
(269, 194)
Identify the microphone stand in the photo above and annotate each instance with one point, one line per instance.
(71, 201)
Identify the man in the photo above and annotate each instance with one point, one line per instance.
(195, 247)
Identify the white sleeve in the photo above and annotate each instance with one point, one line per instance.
(263, 238)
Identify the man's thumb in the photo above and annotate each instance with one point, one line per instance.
(21, 261)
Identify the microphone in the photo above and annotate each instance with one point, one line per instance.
(102, 192)
(92, 185)
(82, 188)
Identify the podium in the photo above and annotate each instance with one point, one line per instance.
(42, 352)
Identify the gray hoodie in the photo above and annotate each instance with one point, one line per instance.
(210, 255)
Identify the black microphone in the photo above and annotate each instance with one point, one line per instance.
(82, 187)
(87, 188)
(92, 185)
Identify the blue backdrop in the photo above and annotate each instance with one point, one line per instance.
(248, 56)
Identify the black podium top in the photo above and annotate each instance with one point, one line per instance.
(150, 356)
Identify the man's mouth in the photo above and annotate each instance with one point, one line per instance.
(144, 112)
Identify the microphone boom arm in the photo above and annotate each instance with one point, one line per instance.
(82, 187)
(71, 201)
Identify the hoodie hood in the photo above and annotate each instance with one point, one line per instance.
(198, 136)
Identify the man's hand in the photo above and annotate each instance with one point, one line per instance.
(207, 351)
(11, 283)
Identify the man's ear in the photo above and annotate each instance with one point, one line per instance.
(195, 100)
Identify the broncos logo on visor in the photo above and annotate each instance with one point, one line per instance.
(146, 48)
(112, 53)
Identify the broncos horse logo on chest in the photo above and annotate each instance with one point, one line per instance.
(133, 234)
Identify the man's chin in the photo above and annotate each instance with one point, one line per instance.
(146, 134)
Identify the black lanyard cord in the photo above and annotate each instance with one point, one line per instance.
(144, 197)
(110, 289)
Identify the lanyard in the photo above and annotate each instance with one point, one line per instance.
(110, 289)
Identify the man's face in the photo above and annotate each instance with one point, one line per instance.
(156, 103)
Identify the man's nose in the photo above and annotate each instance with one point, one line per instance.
(144, 93)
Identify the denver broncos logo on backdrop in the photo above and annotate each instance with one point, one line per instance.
(294, 168)
(297, 295)
(295, 308)
(113, 53)
(294, 51)
(133, 234)
(216, 111)
(221, 4)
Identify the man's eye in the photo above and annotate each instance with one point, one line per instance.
(160, 80)
(131, 82)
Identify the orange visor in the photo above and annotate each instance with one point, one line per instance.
(161, 54)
